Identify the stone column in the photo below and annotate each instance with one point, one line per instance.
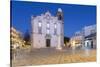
(59, 43)
(32, 32)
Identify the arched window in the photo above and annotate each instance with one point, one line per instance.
(55, 25)
(55, 29)
(48, 25)
(40, 24)
(48, 31)
(40, 27)
(48, 28)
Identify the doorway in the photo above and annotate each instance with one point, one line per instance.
(91, 44)
(47, 42)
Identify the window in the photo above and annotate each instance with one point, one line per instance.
(59, 17)
(55, 26)
(48, 31)
(40, 24)
(92, 31)
(48, 25)
(40, 27)
(55, 29)
(87, 44)
(48, 28)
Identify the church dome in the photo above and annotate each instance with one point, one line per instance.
(59, 10)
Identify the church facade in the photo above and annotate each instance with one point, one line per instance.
(47, 30)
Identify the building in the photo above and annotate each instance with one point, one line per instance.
(16, 41)
(90, 41)
(86, 37)
(76, 40)
(88, 30)
(90, 36)
(47, 30)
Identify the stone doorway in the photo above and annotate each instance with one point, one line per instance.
(47, 42)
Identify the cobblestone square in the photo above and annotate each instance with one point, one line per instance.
(52, 56)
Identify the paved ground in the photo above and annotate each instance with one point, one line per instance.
(52, 56)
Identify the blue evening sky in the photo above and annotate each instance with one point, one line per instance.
(75, 16)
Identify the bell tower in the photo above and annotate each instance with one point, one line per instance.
(60, 14)
(61, 28)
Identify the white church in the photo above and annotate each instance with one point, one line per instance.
(48, 30)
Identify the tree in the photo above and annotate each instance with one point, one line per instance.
(27, 38)
(66, 39)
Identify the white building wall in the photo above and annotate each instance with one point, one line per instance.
(39, 40)
(54, 41)
(89, 29)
